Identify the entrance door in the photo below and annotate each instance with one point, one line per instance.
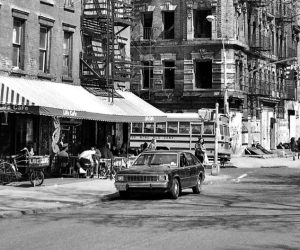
(272, 133)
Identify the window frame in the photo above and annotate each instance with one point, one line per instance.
(19, 57)
(45, 66)
(68, 53)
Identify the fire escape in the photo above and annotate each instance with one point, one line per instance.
(104, 63)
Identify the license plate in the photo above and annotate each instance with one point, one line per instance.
(122, 187)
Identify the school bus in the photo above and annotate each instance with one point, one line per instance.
(182, 130)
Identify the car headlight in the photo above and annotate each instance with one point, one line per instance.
(120, 178)
(162, 178)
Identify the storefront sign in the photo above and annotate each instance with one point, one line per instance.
(14, 108)
(69, 113)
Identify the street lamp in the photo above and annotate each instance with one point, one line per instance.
(211, 19)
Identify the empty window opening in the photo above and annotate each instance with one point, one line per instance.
(147, 25)
(203, 74)
(147, 74)
(168, 19)
(169, 74)
(202, 26)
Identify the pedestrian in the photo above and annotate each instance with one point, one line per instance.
(200, 149)
(293, 146)
(152, 145)
(298, 147)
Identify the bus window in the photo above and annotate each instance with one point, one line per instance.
(222, 131)
(196, 129)
(160, 128)
(227, 131)
(208, 129)
(172, 127)
(184, 127)
(137, 128)
(149, 128)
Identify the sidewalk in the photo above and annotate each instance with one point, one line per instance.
(17, 199)
(256, 162)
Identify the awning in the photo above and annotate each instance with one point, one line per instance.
(48, 98)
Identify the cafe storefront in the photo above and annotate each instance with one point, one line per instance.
(39, 113)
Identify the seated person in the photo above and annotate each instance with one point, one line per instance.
(106, 153)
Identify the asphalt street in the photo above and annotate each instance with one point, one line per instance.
(254, 208)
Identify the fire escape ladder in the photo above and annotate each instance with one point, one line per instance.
(103, 59)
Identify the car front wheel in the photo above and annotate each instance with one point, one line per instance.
(197, 188)
(175, 189)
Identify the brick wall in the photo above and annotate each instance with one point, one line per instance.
(61, 18)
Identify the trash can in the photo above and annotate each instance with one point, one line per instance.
(215, 169)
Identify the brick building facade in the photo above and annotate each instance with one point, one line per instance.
(190, 54)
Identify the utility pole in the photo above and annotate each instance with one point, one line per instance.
(215, 167)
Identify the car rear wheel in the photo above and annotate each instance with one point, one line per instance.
(175, 189)
(197, 188)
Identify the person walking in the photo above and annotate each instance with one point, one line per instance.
(200, 149)
(293, 146)
(152, 145)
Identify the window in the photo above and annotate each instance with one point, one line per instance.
(137, 127)
(122, 50)
(18, 43)
(149, 128)
(168, 20)
(147, 71)
(69, 3)
(184, 127)
(147, 25)
(160, 128)
(203, 74)
(44, 58)
(172, 127)
(67, 53)
(208, 129)
(196, 129)
(169, 74)
(201, 24)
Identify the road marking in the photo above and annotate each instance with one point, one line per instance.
(240, 177)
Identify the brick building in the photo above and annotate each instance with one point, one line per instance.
(189, 54)
(52, 84)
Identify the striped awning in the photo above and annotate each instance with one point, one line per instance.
(21, 95)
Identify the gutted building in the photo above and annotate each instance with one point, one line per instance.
(191, 54)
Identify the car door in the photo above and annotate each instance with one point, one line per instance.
(184, 172)
(193, 172)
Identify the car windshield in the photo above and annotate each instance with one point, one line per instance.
(156, 159)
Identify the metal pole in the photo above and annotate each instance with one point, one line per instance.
(216, 134)
(215, 168)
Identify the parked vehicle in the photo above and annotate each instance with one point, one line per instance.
(182, 130)
(161, 171)
(23, 166)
